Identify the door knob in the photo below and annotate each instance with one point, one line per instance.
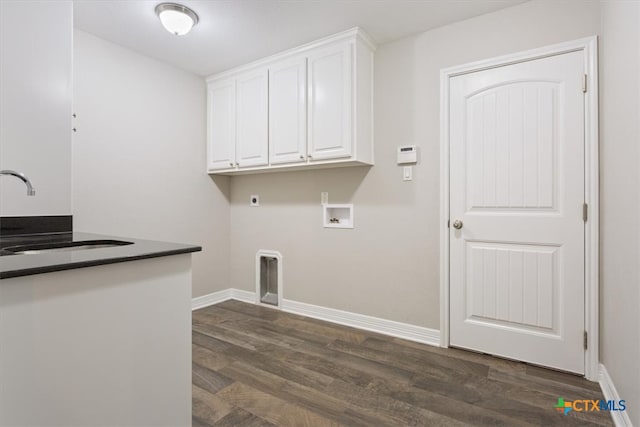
(457, 224)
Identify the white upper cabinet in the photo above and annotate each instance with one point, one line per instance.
(288, 111)
(308, 107)
(252, 119)
(330, 102)
(221, 123)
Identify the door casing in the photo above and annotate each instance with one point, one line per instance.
(591, 176)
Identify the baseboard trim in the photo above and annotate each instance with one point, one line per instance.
(244, 296)
(210, 299)
(221, 296)
(355, 320)
(361, 321)
(620, 419)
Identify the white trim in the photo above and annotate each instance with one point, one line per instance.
(277, 255)
(244, 296)
(359, 321)
(355, 31)
(620, 418)
(592, 198)
(589, 47)
(221, 296)
(444, 208)
(280, 167)
(527, 55)
(210, 299)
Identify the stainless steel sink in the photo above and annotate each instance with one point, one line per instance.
(44, 248)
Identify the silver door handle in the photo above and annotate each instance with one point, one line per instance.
(457, 224)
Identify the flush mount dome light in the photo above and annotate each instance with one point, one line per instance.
(176, 18)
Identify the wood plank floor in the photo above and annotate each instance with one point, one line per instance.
(255, 366)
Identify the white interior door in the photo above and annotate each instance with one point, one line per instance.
(288, 111)
(517, 188)
(252, 144)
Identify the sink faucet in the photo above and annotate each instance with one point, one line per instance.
(30, 190)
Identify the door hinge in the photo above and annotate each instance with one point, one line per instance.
(585, 212)
(586, 340)
(584, 83)
(448, 221)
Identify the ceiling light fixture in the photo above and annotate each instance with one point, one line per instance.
(176, 18)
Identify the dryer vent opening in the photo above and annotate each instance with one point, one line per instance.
(269, 277)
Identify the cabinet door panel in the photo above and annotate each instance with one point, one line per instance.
(252, 146)
(287, 111)
(221, 117)
(330, 102)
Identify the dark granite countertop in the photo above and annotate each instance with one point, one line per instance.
(13, 265)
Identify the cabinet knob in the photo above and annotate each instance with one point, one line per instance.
(231, 164)
(237, 164)
(301, 157)
(310, 156)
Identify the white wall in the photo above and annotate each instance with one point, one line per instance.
(35, 105)
(139, 156)
(388, 265)
(620, 198)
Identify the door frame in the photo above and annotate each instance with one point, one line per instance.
(589, 46)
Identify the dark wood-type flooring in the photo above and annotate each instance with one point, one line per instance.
(256, 366)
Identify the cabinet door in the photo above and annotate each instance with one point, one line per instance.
(221, 124)
(330, 102)
(288, 111)
(252, 144)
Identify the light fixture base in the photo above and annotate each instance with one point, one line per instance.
(176, 18)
